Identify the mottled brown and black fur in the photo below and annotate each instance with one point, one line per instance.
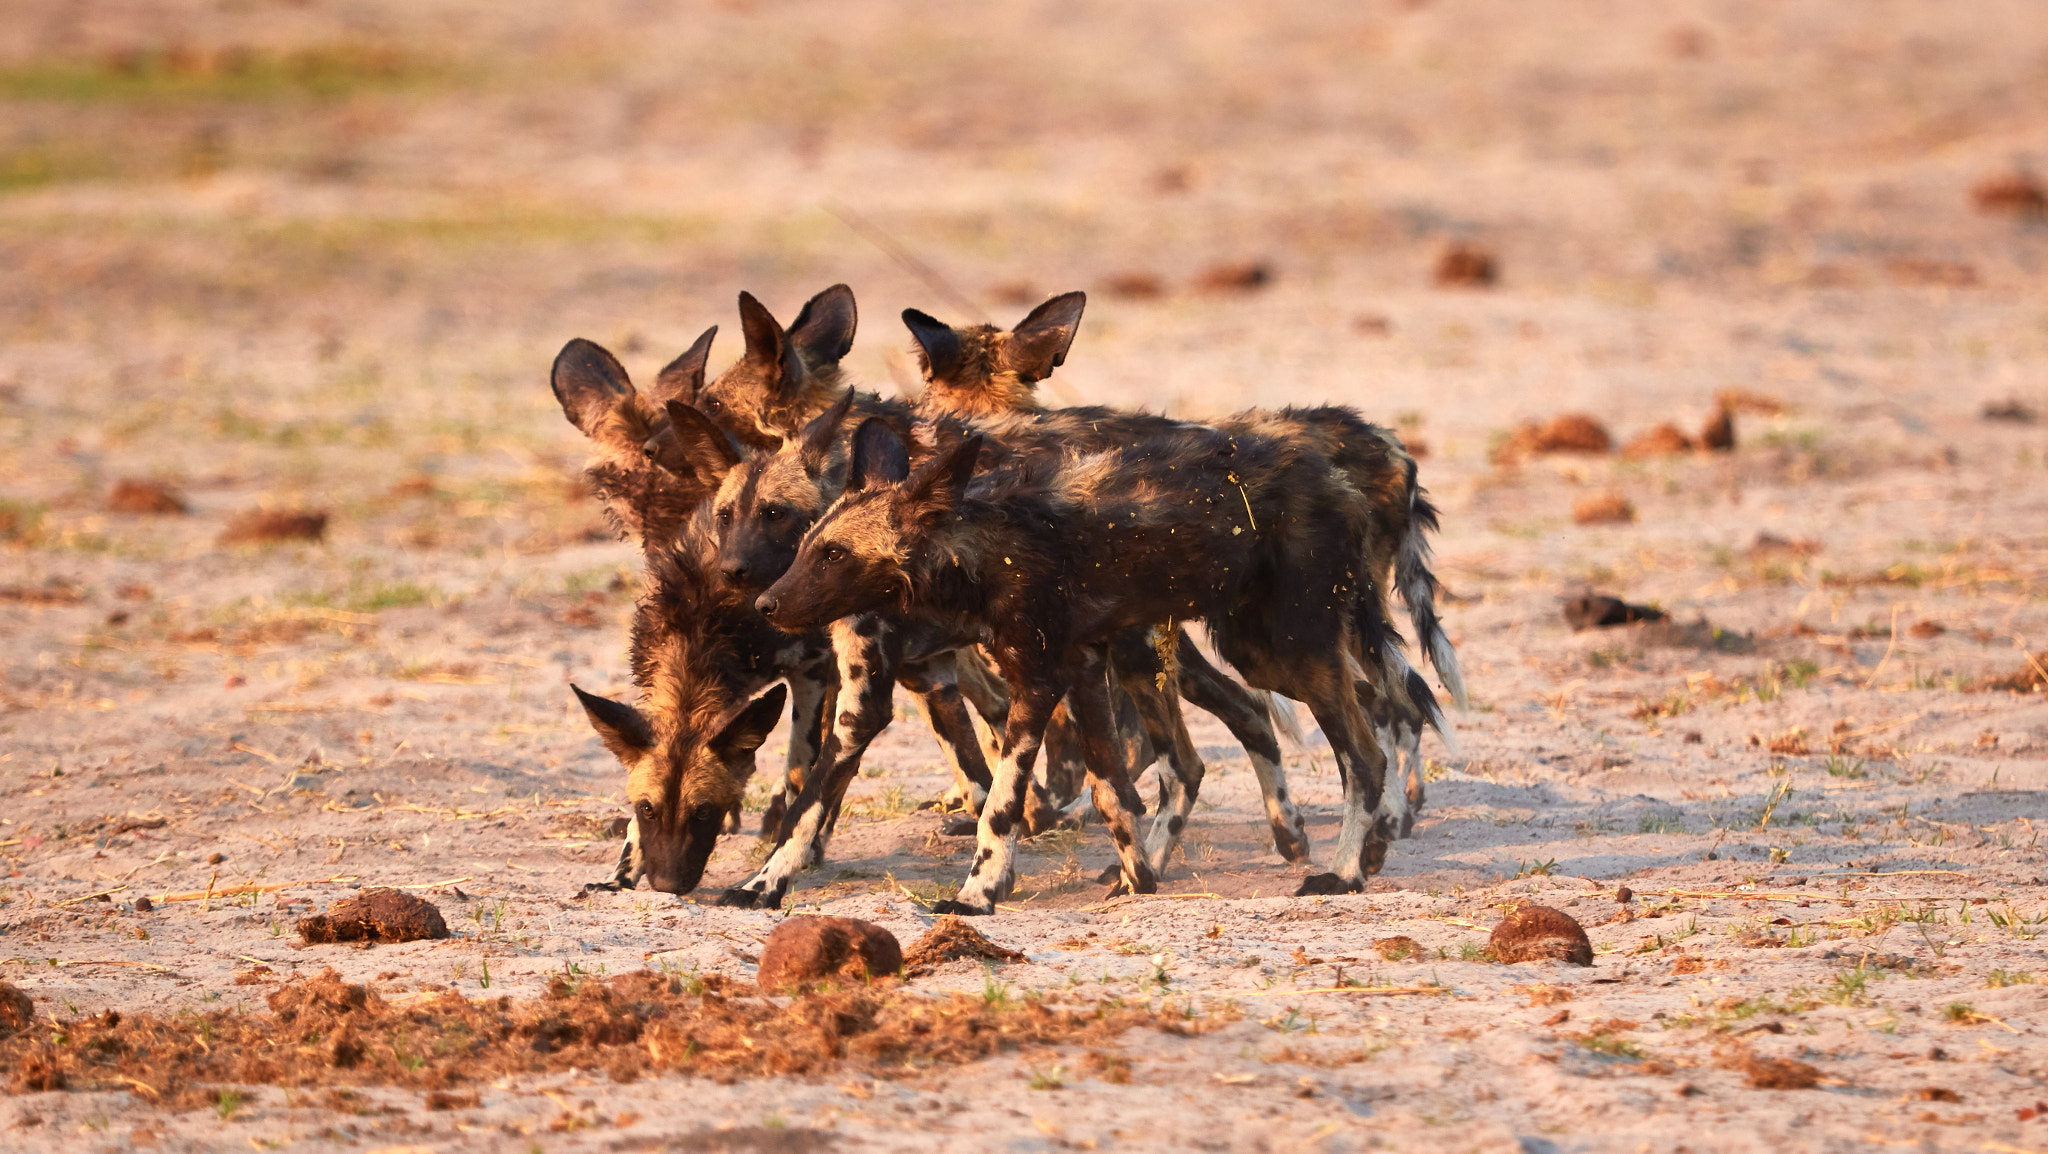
(627, 430)
(984, 371)
(1259, 537)
(699, 653)
(786, 376)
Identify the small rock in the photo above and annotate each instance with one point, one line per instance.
(812, 949)
(2014, 194)
(1624, 894)
(2013, 410)
(1241, 277)
(1778, 1073)
(216, 858)
(16, 1010)
(375, 915)
(143, 905)
(1540, 933)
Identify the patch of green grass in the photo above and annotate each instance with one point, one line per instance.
(1999, 979)
(1052, 1079)
(1612, 1045)
(226, 1102)
(1660, 823)
(1845, 767)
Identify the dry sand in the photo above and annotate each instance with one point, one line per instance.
(329, 271)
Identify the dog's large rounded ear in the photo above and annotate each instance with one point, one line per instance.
(743, 734)
(692, 446)
(879, 456)
(589, 382)
(942, 481)
(823, 331)
(766, 342)
(938, 346)
(1039, 343)
(620, 726)
(680, 379)
(821, 433)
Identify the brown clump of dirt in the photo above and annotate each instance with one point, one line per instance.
(2014, 194)
(1603, 509)
(328, 1032)
(378, 915)
(1663, 441)
(150, 497)
(1772, 545)
(16, 1010)
(1397, 948)
(1544, 994)
(2030, 677)
(1922, 273)
(1564, 433)
(807, 950)
(949, 940)
(55, 591)
(1540, 933)
(263, 526)
(1244, 276)
(1466, 266)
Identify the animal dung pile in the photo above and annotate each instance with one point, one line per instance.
(2013, 194)
(265, 526)
(1718, 434)
(1397, 949)
(16, 1011)
(1603, 509)
(1600, 611)
(1663, 441)
(145, 497)
(1565, 433)
(378, 915)
(2030, 677)
(1540, 933)
(1239, 276)
(1465, 265)
(1776, 1073)
(949, 940)
(1135, 286)
(326, 1032)
(807, 950)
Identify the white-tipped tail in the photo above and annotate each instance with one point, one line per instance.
(1285, 719)
(1418, 588)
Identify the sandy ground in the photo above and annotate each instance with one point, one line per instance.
(338, 285)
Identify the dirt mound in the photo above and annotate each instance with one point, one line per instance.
(152, 497)
(803, 951)
(1466, 266)
(325, 1032)
(1603, 509)
(1564, 433)
(949, 940)
(376, 916)
(1663, 441)
(1776, 1073)
(1540, 933)
(1398, 948)
(262, 526)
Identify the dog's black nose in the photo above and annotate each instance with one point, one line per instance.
(766, 605)
(735, 572)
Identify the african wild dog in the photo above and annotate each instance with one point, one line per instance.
(786, 376)
(979, 370)
(654, 459)
(699, 653)
(1046, 562)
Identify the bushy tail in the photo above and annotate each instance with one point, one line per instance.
(1281, 710)
(1418, 588)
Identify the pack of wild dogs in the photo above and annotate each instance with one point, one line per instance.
(811, 545)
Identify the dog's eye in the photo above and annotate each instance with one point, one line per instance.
(725, 516)
(712, 405)
(772, 513)
(835, 555)
(646, 809)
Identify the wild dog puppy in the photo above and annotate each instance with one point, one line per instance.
(699, 653)
(981, 371)
(654, 460)
(1046, 563)
(786, 376)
